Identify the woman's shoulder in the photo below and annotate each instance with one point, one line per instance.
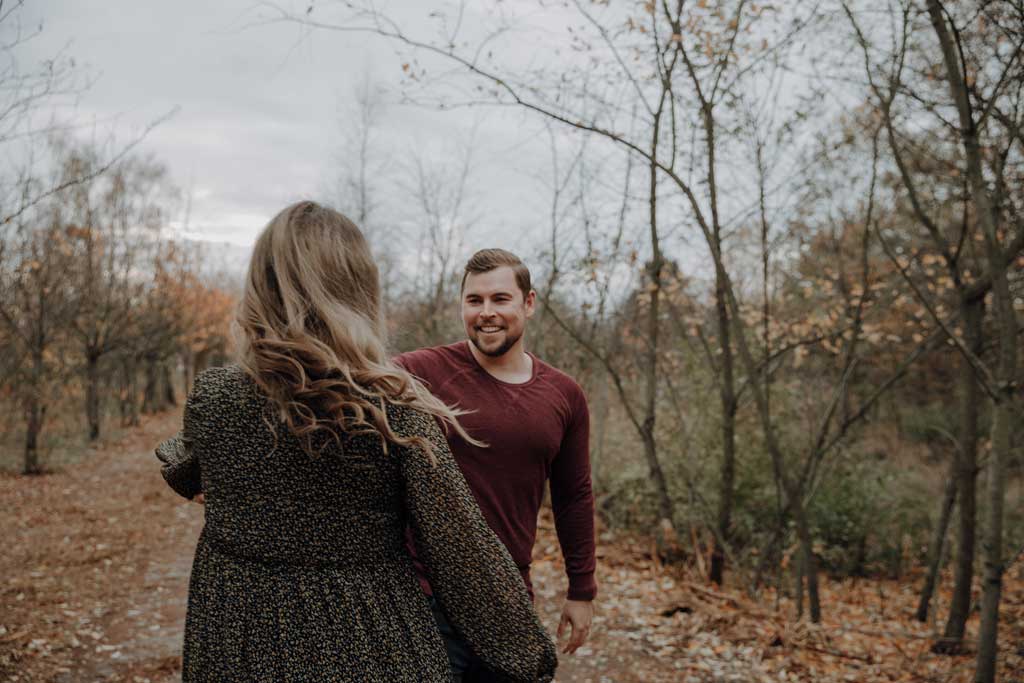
(219, 386)
(221, 374)
(223, 377)
(406, 420)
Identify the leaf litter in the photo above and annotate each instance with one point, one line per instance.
(94, 581)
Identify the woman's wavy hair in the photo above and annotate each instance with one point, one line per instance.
(310, 332)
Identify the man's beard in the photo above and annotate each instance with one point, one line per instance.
(510, 341)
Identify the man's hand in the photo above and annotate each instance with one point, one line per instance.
(577, 614)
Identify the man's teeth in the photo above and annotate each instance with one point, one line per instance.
(490, 329)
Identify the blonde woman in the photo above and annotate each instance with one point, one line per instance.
(314, 454)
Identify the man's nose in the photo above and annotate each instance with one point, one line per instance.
(488, 309)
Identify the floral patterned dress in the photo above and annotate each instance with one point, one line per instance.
(300, 572)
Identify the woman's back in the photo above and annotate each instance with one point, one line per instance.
(268, 500)
(301, 571)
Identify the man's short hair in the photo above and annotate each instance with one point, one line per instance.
(487, 260)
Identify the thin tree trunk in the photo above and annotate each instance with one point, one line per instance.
(666, 534)
(1006, 324)
(131, 404)
(188, 369)
(151, 392)
(993, 543)
(34, 414)
(966, 482)
(798, 586)
(33, 428)
(937, 547)
(92, 395)
(666, 537)
(200, 361)
(810, 563)
(727, 476)
(792, 489)
(126, 394)
(602, 410)
(134, 404)
(169, 396)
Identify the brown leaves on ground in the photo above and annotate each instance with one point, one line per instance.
(94, 578)
(661, 625)
(94, 572)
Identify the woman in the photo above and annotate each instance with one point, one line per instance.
(314, 454)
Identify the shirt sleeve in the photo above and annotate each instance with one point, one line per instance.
(471, 573)
(180, 462)
(572, 501)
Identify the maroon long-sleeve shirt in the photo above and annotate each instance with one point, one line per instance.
(535, 431)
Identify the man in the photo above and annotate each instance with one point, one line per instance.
(535, 422)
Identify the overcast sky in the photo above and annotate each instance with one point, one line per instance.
(260, 109)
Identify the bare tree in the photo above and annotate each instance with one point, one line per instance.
(974, 106)
(364, 173)
(440, 215)
(114, 221)
(34, 260)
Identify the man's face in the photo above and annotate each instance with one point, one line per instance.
(494, 311)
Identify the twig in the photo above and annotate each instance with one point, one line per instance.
(836, 653)
(56, 189)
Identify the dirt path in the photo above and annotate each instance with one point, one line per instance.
(94, 577)
(97, 569)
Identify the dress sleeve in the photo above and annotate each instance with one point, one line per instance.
(470, 571)
(180, 463)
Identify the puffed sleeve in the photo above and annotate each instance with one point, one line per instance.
(471, 573)
(180, 463)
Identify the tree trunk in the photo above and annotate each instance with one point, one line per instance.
(35, 412)
(810, 563)
(169, 396)
(201, 362)
(131, 405)
(92, 394)
(798, 586)
(937, 547)
(188, 368)
(1006, 324)
(966, 479)
(993, 544)
(601, 410)
(666, 509)
(151, 393)
(727, 478)
(126, 394)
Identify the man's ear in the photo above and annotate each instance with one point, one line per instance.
(530, 303)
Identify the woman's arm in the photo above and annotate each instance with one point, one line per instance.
(180, 467)
(470, 571)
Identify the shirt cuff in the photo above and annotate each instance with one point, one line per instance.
(582, 587)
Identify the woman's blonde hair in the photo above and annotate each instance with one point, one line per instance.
(310, 332)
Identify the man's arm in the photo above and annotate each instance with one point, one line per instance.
(572, 501)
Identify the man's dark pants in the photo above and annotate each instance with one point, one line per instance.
(466, 666)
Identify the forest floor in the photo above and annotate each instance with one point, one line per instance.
(96, 557)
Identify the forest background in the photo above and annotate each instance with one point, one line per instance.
(781, 246)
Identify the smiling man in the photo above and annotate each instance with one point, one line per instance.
(535, 422)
